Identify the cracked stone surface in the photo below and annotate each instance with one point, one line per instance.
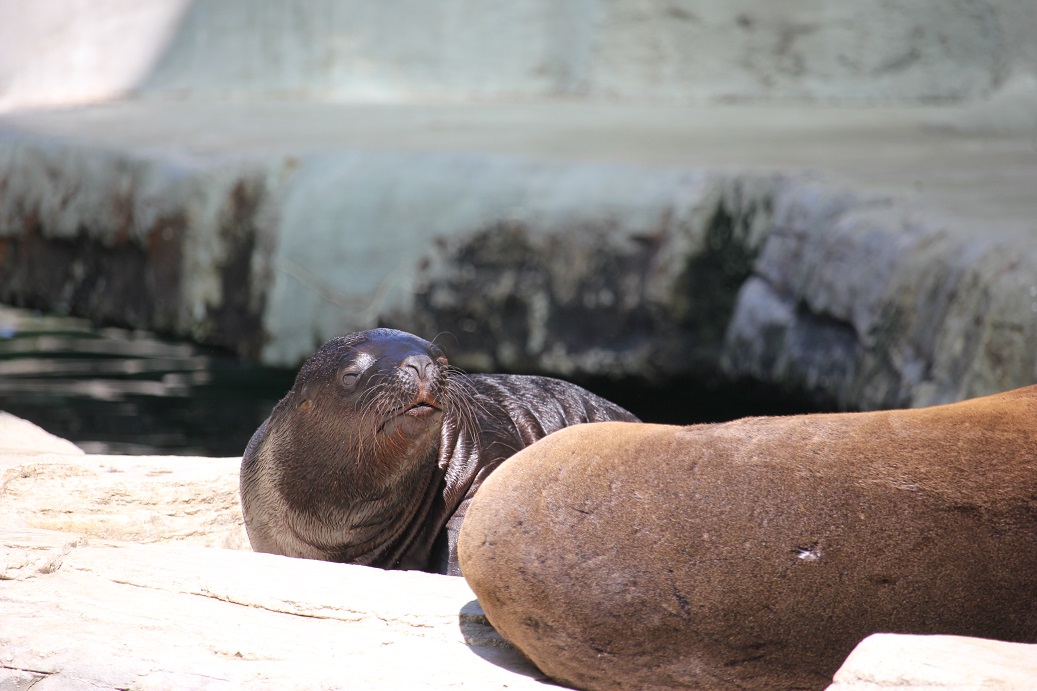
(136, 588)
(154, 616)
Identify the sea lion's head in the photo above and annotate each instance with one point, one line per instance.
(383, 386)
(365, 411)
(373, 454)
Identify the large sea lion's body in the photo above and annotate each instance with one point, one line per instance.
(756, 554)
(374, 454)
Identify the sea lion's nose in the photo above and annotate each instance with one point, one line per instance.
(419, 364)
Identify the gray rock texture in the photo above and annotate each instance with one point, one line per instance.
(872, 308)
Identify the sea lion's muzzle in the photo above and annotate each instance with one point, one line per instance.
(420, 365)
(422, 376)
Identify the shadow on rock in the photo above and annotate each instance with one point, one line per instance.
(484, 641)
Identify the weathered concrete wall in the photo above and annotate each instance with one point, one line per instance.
(670, 50)
(875, 307)
(847, 299)
(599, 272)
(901, 277)
(158, 243)
(351, 259)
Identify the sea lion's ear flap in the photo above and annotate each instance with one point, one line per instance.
(305, 399)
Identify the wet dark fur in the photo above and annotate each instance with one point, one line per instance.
(340, 471)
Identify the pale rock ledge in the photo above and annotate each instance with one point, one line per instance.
(114, 575)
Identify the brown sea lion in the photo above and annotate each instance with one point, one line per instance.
(756, 554)
(375, 453)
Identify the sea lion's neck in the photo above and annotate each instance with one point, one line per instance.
(341, 470)
(364, 503)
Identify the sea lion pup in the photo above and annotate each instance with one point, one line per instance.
(375, 453)
(756, 554)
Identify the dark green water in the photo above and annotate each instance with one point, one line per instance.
(125, 392)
